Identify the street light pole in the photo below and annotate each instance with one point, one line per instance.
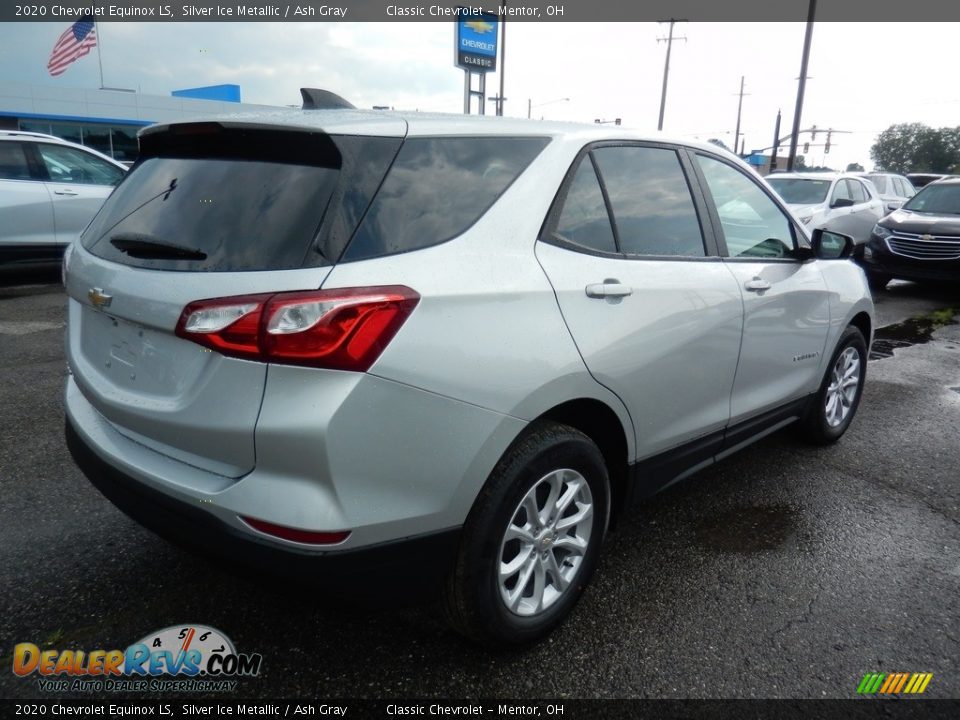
(811, 13)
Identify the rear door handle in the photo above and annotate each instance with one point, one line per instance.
(757, 285)
(608, 288)
(71, 193)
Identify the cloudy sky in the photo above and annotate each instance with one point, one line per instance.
(864, 77)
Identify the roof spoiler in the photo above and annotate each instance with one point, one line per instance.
(318, 99)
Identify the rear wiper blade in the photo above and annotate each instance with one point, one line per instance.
(148, 247)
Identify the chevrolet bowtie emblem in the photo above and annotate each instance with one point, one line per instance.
(99, 298)
(926, 238)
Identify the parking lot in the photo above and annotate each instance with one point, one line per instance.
(783, 571)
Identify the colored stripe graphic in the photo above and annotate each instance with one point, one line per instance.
(894, 683)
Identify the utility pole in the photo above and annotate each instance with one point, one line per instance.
(666, 67)
(736, 135)
(811, 13)
(503, 58)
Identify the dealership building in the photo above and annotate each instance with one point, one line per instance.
(107, 120)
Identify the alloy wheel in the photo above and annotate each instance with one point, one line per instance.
(545, 542)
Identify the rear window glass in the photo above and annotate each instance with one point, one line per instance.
(438, 188)
(798, 191)
(223, 204)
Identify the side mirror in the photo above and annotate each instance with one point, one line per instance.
(842, 203)
(891, 206)
(827, 245)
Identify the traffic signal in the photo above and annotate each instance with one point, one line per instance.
(806, 147)
(813, 133)
(826, 148)
(617, 121)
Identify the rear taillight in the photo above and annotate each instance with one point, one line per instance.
(309, 537)
(344, 329)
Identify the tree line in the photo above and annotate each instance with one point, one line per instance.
(915, 147)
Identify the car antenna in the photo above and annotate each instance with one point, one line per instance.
(319, 99)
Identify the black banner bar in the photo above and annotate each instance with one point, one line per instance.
(860, 709)
(514, 10)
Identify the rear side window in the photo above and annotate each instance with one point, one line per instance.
(858, 191)
(437, 189)
(13, 162)
(652, 207)
(238, 200)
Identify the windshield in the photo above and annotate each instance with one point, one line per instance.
(800, 191)
(936, 200)
(882, 182)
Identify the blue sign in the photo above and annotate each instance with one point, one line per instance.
(476, 40)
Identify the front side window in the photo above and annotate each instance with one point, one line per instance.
(584, 220)
(68, 165)
(652, 207)
(753, 225)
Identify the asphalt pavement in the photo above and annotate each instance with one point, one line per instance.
(784, 571)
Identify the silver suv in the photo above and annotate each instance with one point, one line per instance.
(439, 344)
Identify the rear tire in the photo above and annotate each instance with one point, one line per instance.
(832, 409)
(532, 539)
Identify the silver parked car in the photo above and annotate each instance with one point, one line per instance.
(49, 190)
(442, 344)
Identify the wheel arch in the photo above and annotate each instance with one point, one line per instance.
(864, 324)
(603, 426)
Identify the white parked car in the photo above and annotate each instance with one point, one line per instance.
(49, 190)
(837, 202)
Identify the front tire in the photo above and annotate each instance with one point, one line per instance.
(838, 398)
(877, 281)
(532, 540)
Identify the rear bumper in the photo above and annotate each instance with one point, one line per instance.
(422, 559)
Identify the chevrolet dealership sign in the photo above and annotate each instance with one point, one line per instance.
(476, 40)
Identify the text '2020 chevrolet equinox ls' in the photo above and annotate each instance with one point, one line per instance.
(334, 336)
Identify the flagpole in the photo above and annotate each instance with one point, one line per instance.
(99, 57)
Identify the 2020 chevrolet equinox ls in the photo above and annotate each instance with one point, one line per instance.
(460, 343)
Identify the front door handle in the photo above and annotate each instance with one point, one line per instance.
(71, 193)
(758, 284)
(607, 289)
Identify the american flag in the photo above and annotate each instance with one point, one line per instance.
(76, 42)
